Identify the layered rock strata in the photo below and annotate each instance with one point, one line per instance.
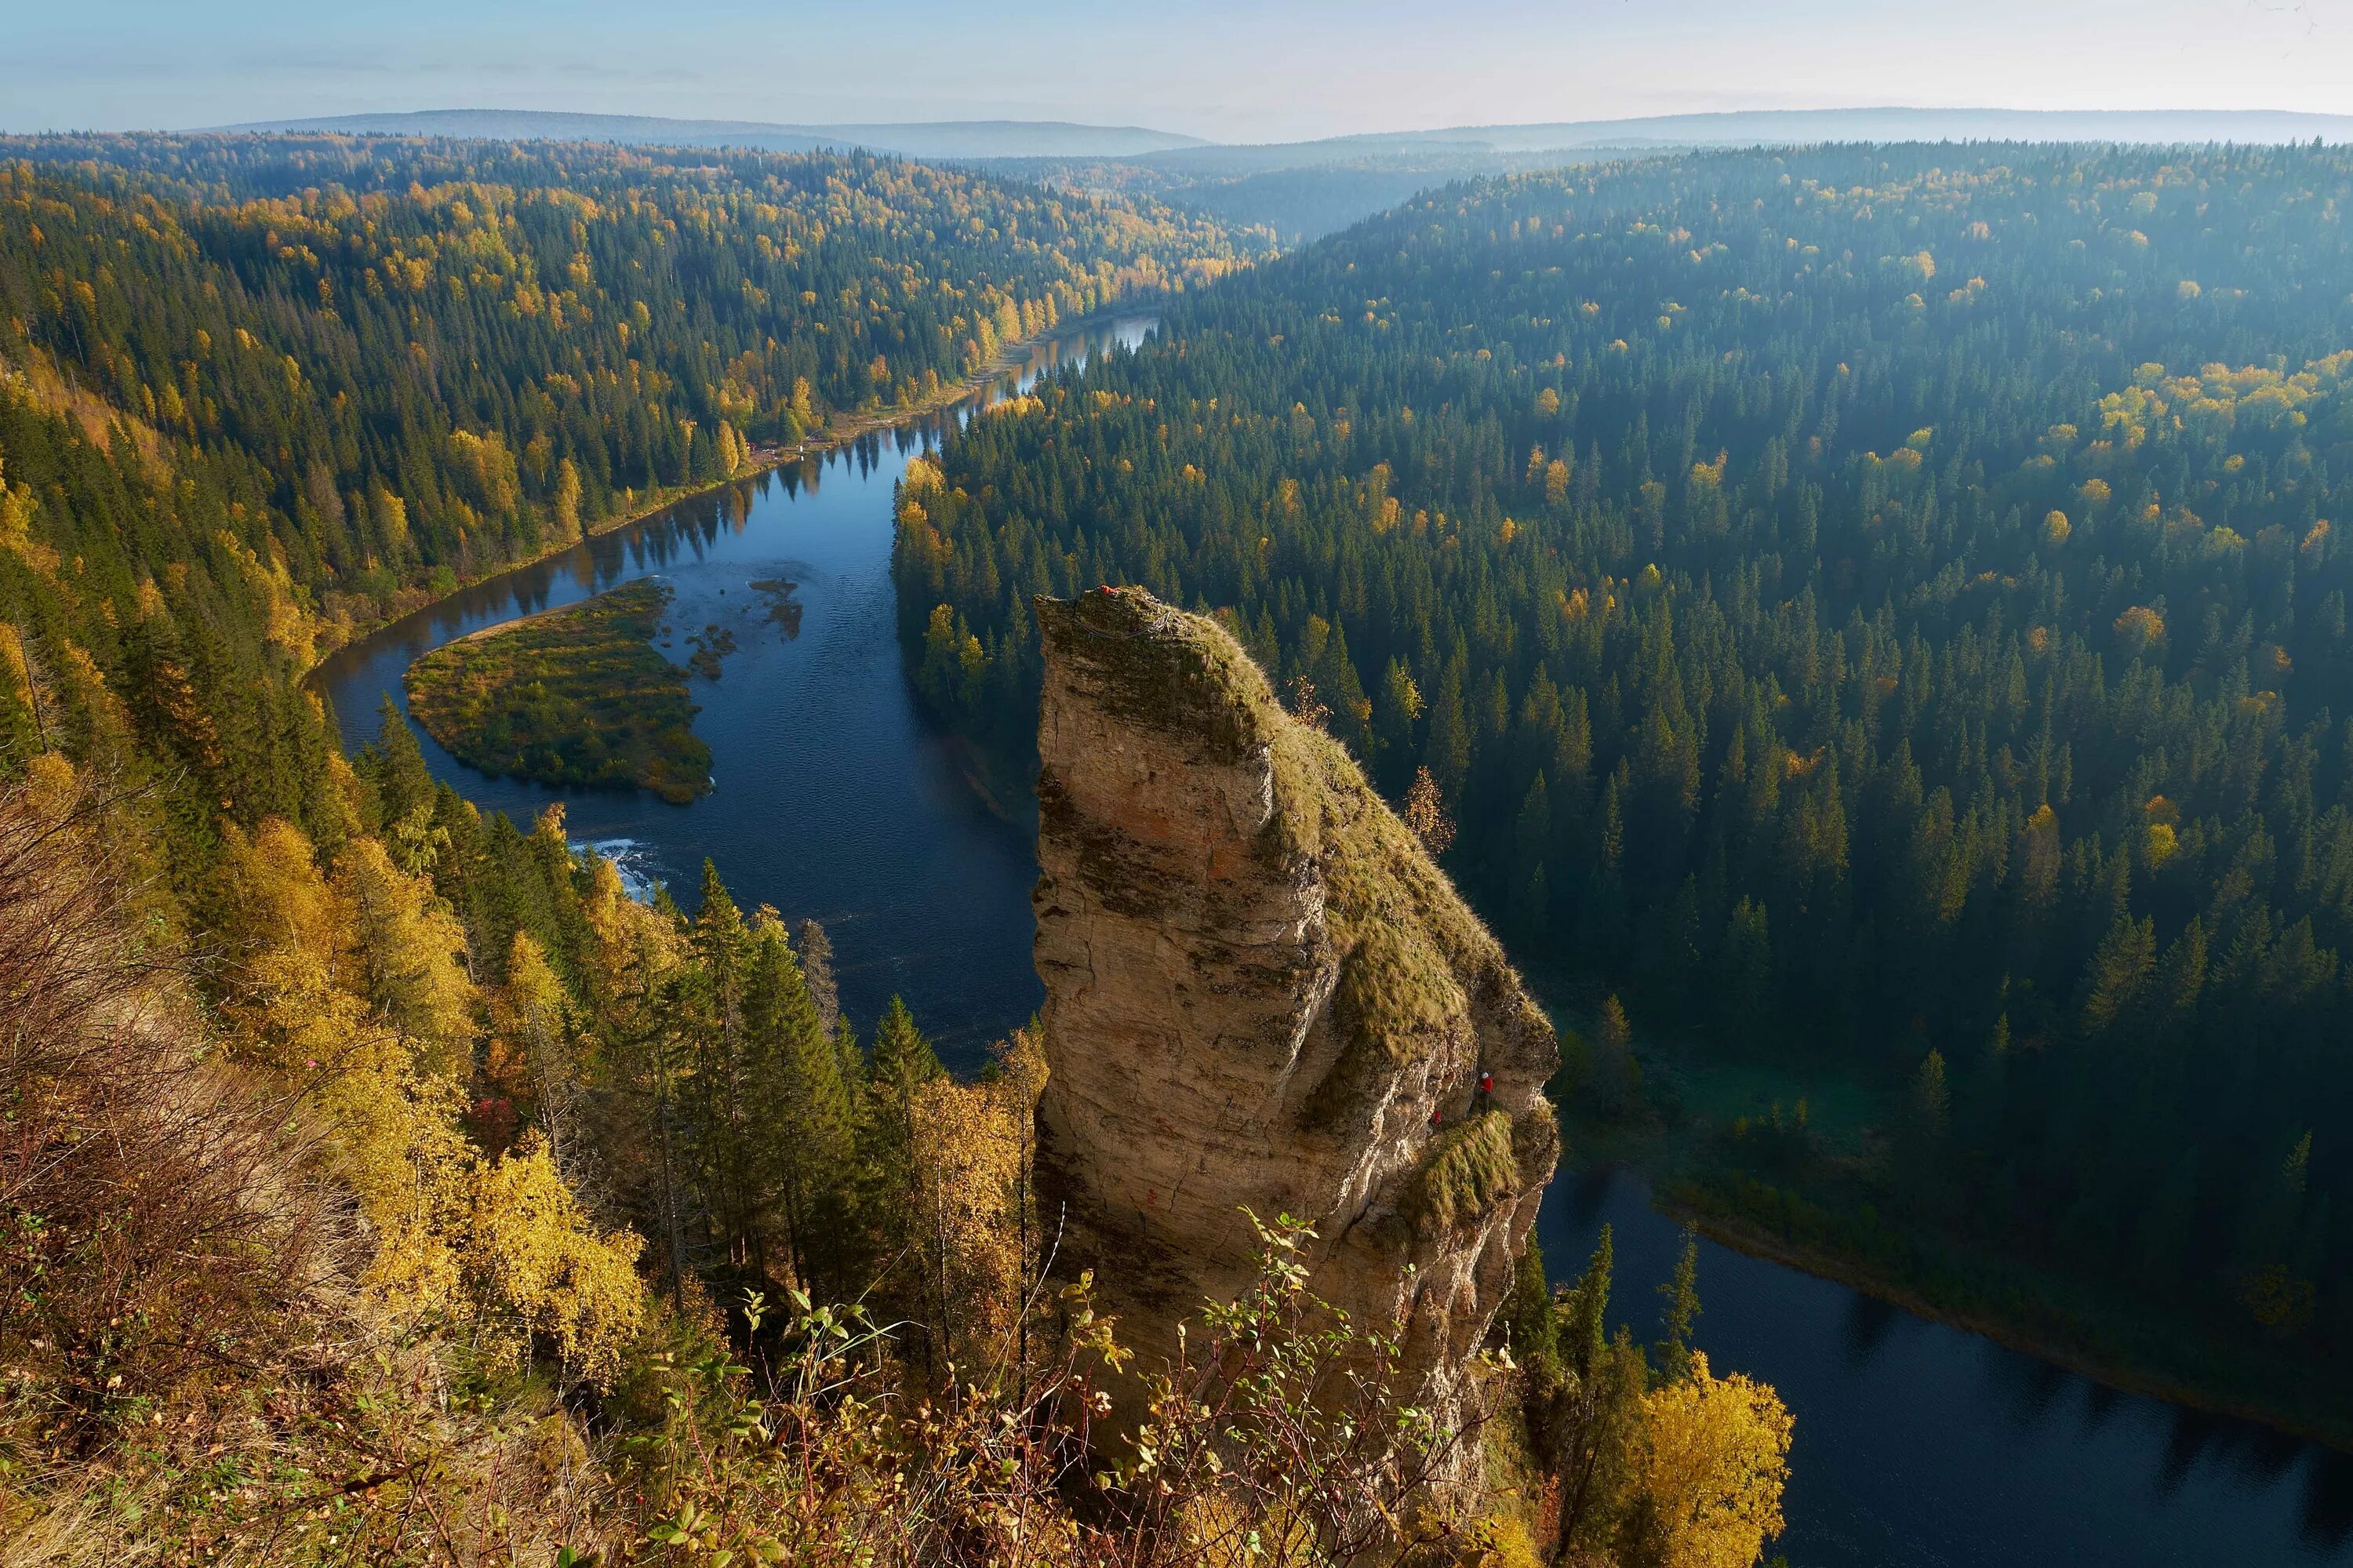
(1259, 991)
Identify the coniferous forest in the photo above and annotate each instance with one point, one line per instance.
(1880, 612)
(417, 361)
(1868, 621)
(261, 392)
(384, 1182)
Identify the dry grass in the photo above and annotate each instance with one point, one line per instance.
(185, 1372)
(154, 1216)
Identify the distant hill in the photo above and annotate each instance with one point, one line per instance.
(933, 138)
(973, 139)
(1297, 190)
(1294, 191)
(1751, 127)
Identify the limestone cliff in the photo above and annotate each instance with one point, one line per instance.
(1258, 990)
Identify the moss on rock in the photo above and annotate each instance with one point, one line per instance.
(1162, 669)
(1466, 1170)
(1413, 958)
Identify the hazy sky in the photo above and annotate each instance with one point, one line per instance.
(1231, 69)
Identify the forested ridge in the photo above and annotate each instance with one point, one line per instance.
(1882, 611)
(262, 392)
(1291, 194)
(428, 358)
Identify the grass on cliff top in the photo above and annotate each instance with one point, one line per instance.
(1409, 942)
(576, 697)
(1470, 1167)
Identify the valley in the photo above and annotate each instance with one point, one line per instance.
(878, 843)
(925, 892)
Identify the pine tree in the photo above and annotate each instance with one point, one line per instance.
(1584, 1333)
(817, 971)
(1529, 1324)
(807, 1129)
(904, 1064)
(1616, 1078)
(719, 1084)
(1930, 1098)
(2118, 972)
(405, 792)
(1680, 1315)
(1587, 1425)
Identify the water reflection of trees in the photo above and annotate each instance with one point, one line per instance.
(2327, 1518)
(1868, 1321)
(783, 606)
(2138, 1451)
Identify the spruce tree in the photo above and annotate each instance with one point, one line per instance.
(903, 1062)
(1680, 1315)
(807, 1153)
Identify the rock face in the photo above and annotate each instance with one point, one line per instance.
(1258, 990)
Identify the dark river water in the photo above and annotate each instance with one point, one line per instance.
(830, 797)
(1917, 1445)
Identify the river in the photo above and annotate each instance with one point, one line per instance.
(832, 800)
(1918, 1445)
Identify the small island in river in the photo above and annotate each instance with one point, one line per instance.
(576, 697)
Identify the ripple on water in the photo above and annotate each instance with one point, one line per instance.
(639, 868)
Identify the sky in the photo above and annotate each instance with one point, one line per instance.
(1225, 69)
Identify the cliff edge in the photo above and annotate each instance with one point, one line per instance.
(1259, 989)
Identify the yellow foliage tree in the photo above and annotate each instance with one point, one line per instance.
(567, 499)
(414, 948)
(536, 1057)
(971, 1153)
(1709, 1464)
(357, 989)
(284, 907)
(2139, 628)
(532, 1257)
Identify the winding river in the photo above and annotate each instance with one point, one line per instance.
(1917, 1445)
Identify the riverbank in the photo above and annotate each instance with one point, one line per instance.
(841, 430)
(1826, 1225)
(1759, 1241)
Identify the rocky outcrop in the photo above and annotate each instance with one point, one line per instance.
(1259, 989)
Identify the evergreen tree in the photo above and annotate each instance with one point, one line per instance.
(1680, 1314)
(903, 1064)
(804, 1109)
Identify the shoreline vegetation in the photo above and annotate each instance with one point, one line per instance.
(1687, 1187)
(576, 697)
(841, 430)
(1758, 1241)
